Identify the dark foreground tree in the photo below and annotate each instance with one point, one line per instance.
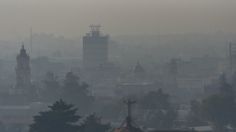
(160, 113)
(61, 117)
(93, 124)
(76, 92)
(219, 109)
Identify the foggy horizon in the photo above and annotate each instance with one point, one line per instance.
(117, 66)
(71, 18)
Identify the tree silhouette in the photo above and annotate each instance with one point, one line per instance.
(61, 117)
(76, 92)
(219, 109)
(93, 124)
(159, 111)
(52, 90)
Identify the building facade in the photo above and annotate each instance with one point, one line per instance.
(95, 48)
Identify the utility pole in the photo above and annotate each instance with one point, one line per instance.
(129, 104)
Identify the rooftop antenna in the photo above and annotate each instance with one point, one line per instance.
(31, 41)
(95, 29)
(230, 56)
(22, 46)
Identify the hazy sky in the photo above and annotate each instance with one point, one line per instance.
(71, 18)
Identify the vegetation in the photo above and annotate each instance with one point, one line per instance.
(160, 113)
(218, 109)
(92, 123)
(61, 117)
(52, 88)
(76, 92)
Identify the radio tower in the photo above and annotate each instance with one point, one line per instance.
(230, 56)
(31, 41)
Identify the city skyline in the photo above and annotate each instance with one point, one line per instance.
(72, 18)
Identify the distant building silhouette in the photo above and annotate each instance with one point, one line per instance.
(138, 69)
(23, 71)
(95, 48)
(136, 82)
(232, 57)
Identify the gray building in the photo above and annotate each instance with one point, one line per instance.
(95, 48)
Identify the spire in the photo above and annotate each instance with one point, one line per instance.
(23, 78)
(139, 68)
(22, 51)
(22, 47)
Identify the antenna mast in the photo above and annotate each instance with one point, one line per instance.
(129, 104)
(230, 56)
(95, 30)
(31, 41)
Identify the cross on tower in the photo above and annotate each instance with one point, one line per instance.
(129, 104)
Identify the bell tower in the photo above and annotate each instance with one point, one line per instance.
(23, 71)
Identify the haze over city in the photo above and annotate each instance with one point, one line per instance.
(71, 18)
(117, 66)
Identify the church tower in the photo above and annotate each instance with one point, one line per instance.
(23, 71)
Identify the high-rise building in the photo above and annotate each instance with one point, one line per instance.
(232, 57)
(23, 72)
(95, 48)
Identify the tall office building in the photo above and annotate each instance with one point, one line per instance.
(232, 57)
(95, 48)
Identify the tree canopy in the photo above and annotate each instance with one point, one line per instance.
(92, 123)
(61, 117)
(159, 113)
(219, 108)
(52, 88)
(76, 92)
